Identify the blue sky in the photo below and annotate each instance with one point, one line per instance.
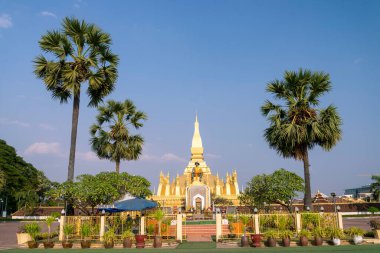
(213, 57)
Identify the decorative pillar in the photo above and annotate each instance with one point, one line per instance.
(102, 227)
(179, 227)
(218, 226)
(298, 222)
(256, 222)
(61, 224)
(142, 225)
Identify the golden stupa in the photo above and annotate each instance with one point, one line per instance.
(196, 187)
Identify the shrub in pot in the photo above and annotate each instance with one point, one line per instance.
(244, 219)
(256, 240)
(85, 233)
(127, 238)
(318, 234)
(375, 225)
(140, 241)
(158, 216)
(335, 234)
(68, 229)
(304, 236)
(33, 229)
(271, 236)
(285, 237)
(108, 239)
(49, 221)
(356, 234)
(22, 235)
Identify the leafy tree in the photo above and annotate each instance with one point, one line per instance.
(296, 123)
(23, 184)
(111, 138)
(375, 187)
(78, 54)
(103, 188)
(280, 187)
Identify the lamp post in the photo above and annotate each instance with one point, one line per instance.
(255, 210)
(322, 209)
(1, 202)
(296, 209)
(333, 195)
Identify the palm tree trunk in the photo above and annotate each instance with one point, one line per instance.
(306, 168)
(117, 166)
(74, 128)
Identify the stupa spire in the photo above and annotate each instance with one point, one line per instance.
(196, 145)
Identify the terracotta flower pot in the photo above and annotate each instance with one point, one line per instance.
(318, 241)
(32, 244)
(271, 242)
(256, 240)
(244, 241)
(304, 241)
(85, 244)
(157, 242)
(48, 245)
(286, 241)
(140, 241)
(127, 243)
(67, 244)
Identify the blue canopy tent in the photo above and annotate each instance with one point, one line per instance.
(129, 204)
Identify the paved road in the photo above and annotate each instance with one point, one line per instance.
(361, 222)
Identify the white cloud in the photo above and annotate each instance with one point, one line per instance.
(44, 148)
(48, 14)
(5, 121)
(5, 21)
(46, 126)
(172, 157)
(212, 156)
(88, 156)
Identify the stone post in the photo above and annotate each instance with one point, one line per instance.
(256, 222)
(340, 220)
(218, 218)
(298, 222)
(102, 227)
(61, 224)
(142, 225)
(179, 227)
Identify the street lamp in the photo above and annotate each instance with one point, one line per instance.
(296, 209)
(322, 209)
(255, 210)
(333, 195)
(308, 208)
(338, 208)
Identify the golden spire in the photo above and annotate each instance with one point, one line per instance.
(196, 145)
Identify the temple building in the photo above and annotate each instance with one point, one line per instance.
(197, 187)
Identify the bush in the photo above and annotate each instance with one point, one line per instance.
(32, 229)
(369, 234)
(355, 231)
(373, 210)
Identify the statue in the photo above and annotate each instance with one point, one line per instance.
(196, 173)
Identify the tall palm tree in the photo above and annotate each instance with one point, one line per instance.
(375, 187)
(296, 123)
(78, 54)
(111, 139)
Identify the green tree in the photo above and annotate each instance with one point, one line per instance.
(78, 54)
(375, 187)
(296, 123)
(280, 187)
(23, 184)
(103, 188)
(111, 138)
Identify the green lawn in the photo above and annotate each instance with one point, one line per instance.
(210, 247)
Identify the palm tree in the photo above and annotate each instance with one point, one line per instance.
(79, 54)
(375, 187)
(297, 125)
(111, 138)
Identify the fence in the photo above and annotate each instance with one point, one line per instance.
(178, 227)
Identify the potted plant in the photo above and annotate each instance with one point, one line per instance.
(244, 219)
(285, 236)
(68, 229)
(158, 216)
(256, 240)
(85, 232)
(231, 227)
(271, 236)
(356, 234)
(318, 234)
(127, 238)
(32, 229)
(375, 225)
(336, 234)
(108, 238)
(49, 221)
(304, 236)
